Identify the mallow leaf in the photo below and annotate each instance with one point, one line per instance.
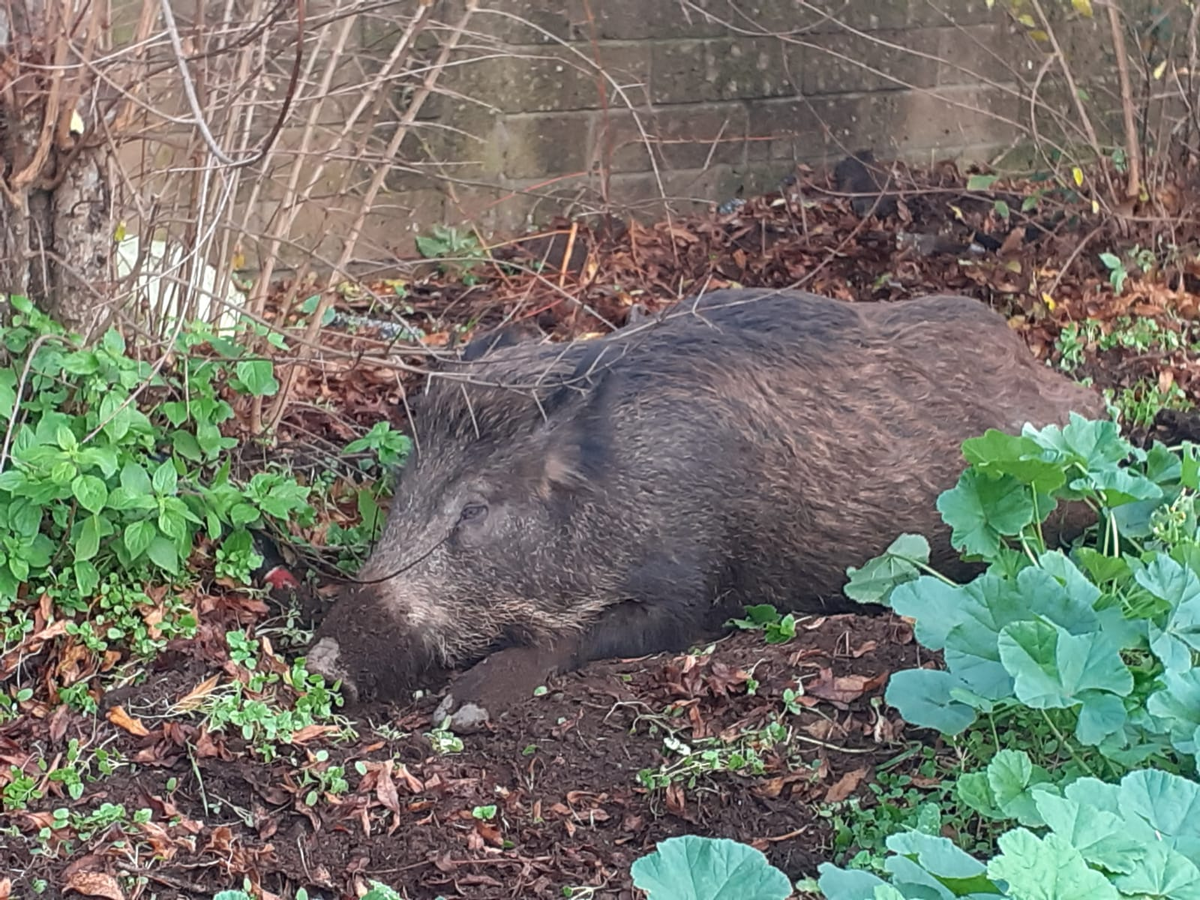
(873, 583)
(1178, 705)
(1102, 837)
(1012, 777)
(981, 511)
(931, 866)
(923, 697)
(1052, 668)
(1169, 803)
(1092, 444)
(1047, 869)
(1178, 585)
(998, 453)
(853, 884)
(701, 868)
(1160, 871)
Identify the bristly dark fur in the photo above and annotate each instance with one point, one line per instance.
(746, 450)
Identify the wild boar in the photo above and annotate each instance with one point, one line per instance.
(628, 495)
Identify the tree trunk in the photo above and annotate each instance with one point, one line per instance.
(56, 199)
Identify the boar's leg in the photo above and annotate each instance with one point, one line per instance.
(498, 682)
(631, 629)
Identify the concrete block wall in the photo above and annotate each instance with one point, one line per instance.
(564, 106)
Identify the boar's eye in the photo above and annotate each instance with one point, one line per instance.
(473, 512)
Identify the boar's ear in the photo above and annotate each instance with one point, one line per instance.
(575, 439)
(572, 456)
(572, 440)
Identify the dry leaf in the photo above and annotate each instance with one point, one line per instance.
(95, 884)
(411, 781)
(863, 649)
(122, 719)
(385, 790)
(193, 698)
(845, 786)
(843, 688)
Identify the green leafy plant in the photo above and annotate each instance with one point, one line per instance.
(114, 469)
(1063, 667)
(895, 803)
(390, 447)
(83, 825)
(764, 617)
(1100, 643)
(443, 740)
(116, 614)
(268, 708)
(321, 777)
(687, 762)
(237, 558)
(460, 251)
(1117, 273)
(1094, 839)
(113, 472)
(1141, 334)
(1139, 403)
(703, 868)
(21, 790)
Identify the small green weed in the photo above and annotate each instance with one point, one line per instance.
(764, 617)
(1138, 333)
(1139, 257)
(1139, 404)
(237, 558)
(709, 756)
(268, 707)
(925, 800)
(444, 741)
(320, 777)
(460, 251)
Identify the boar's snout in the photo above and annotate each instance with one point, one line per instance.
(325, 659)
(373, 648)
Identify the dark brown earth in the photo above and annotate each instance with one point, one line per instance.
(561, 769)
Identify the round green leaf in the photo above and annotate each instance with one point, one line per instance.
(700, 868)
(924, 698)
(1049, 869)
(981, 510)
(1052, 668)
